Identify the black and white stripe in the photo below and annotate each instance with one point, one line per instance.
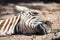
(26, 22)
(32, 22)
(7, 26)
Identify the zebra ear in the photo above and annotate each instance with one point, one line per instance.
(20, 8)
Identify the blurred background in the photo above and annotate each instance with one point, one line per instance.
(28, 1)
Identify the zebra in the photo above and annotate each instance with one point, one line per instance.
(25, 22)
(31, 21)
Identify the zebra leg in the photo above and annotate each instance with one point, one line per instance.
(2, 34)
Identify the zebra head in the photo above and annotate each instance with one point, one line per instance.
(32, 22)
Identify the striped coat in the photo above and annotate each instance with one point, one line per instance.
(7, 25)
(32, 23)
(27, 22)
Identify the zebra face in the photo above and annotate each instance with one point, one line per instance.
(31, 22)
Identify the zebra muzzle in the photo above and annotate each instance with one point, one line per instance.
(42, 29)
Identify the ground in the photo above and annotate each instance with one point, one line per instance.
(50, 11)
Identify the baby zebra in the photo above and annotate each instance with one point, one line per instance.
(25, 22)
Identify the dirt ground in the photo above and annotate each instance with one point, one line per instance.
(50, 11)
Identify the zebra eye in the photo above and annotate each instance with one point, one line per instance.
(34, 13)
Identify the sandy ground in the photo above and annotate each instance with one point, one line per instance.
(50, 11)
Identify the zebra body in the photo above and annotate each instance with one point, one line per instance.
(26, 22)
(7, 25)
